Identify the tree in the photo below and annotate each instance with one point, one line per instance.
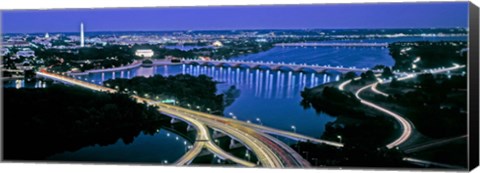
(367, 76)
(378, 67)
(394, 83)
(426, 81)
(350, 75)
(387, 73)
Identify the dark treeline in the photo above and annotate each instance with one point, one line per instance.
(364, 134)
(186, 89)
(41, 122)
(432, 54)
(104, 57)
(437, 104)
(331, 101)
(355, 122)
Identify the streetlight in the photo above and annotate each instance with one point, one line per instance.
(340, 138)
(294, 129)
(247, 155)
(259, 121)
(189, 106)
(198, 107)
(232, 115)
(165, 161)
(248, 121)
(185, 145)
(208, 109)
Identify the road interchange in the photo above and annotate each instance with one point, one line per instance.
(269, 151)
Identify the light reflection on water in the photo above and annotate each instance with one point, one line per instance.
(20, 83)
(270, 95)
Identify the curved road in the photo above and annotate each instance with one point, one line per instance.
(405, 124)
(203, 140)
(271, 153)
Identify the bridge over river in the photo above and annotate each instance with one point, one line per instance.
(269, 151)
(276, 65)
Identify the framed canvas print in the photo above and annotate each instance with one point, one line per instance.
(307, 86)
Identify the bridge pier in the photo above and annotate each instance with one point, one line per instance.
(234, 144)
(204, 153)
(217, 159)
(217, 134)
(173, 121)
(247, 155)
(189, 128)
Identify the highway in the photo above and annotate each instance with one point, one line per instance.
(291, 135)
(405, 124)
(134, 64)
(266, 150)
(269, 151)
(203, 139)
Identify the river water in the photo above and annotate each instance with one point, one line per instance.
(268, 97)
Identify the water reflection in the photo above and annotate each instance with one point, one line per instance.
(20, 83)
(271, 95)
(162, 147)
(265, 83)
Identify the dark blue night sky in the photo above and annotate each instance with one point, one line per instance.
(396, 15)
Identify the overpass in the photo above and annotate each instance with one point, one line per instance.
(270, 152)
(275, 65)
(134, 64)
(202, 140)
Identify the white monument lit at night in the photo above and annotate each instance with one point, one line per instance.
(82, 37)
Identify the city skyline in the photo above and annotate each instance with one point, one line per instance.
(354, 16)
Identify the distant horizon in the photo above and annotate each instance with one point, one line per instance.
(200, 30)
(260, 17)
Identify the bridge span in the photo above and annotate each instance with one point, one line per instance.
(276, 65)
